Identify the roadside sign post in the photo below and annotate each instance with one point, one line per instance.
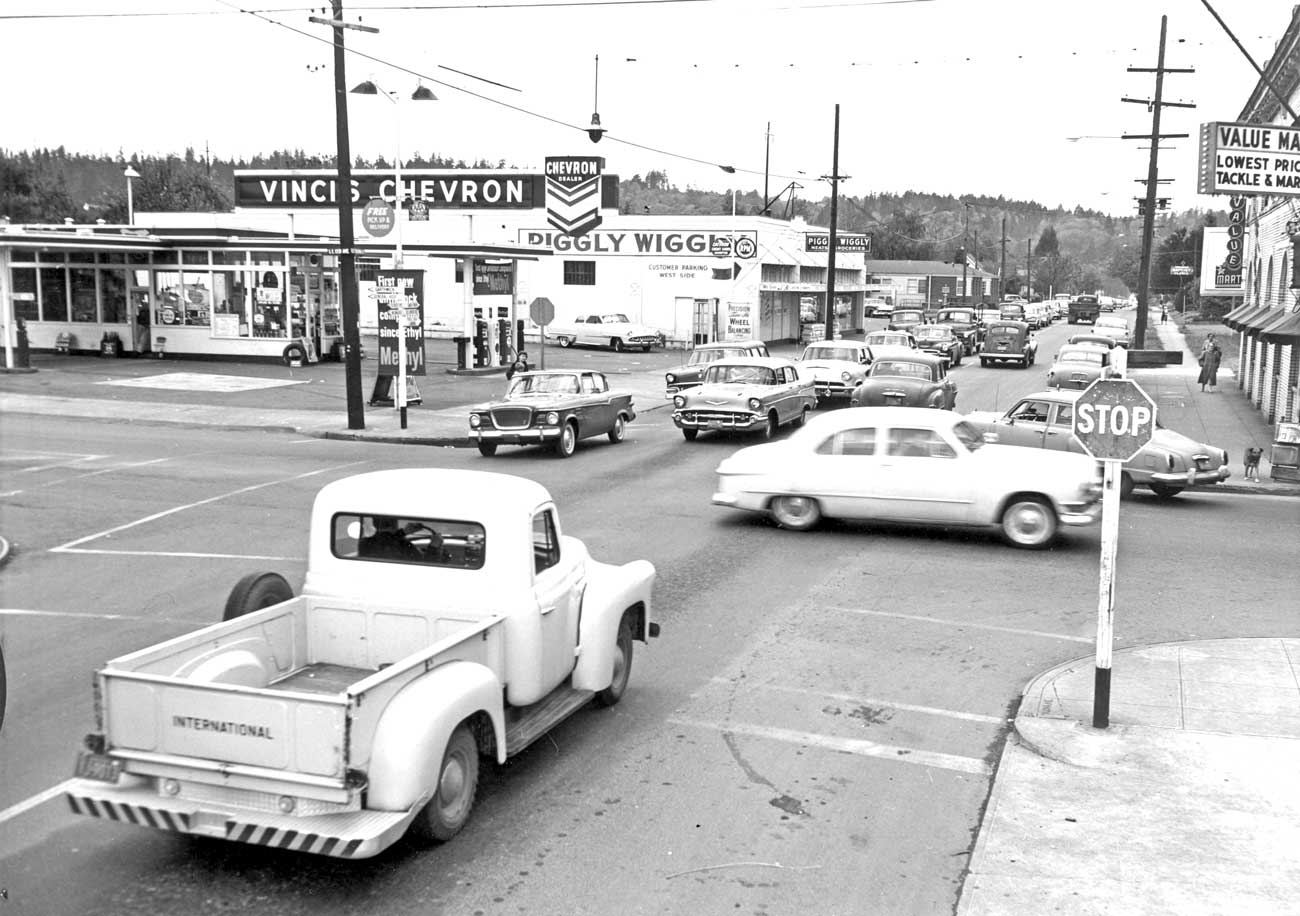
(1113, 420)
(542, 311)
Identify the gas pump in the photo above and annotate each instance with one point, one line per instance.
(481, 346)
(504, 355)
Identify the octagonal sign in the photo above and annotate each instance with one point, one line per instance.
(1113, 419)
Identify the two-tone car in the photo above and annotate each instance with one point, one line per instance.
(609, 329)
(745, 394)
(911, 466)
(906, 320)
(836, 367)
(1009, 342)
(907, 379)
(1114, 326)
(689, 374)
(1079, 365)
(1169, 464)
(554, 407)
(903, 339)
(940, 340)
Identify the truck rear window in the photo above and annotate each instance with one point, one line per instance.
(400, 539)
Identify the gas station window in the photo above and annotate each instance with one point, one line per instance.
(112, 296)
(230, 314)
(197, 292)
(194, 257)
(54, 294)
(84, 305)
(24, 285)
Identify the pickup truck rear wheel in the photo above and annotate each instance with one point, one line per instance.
(487, 449)
(254, 592)
(622, 665)
(453, 797)
(567, 444)
(1029, 522)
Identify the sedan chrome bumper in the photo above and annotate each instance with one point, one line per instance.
(516, 436)
(1193, 477)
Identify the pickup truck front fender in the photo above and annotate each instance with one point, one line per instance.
(415, 726)
(611, 590)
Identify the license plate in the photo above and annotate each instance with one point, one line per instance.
(99, 767)
(713, 424)
(893, 401)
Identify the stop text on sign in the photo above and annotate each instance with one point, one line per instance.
(1113, 419)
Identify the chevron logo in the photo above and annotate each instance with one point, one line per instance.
(573, 193)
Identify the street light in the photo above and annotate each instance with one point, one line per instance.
(130, 204)
(422, 93)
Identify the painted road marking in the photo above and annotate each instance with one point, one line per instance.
(27, 612)
(859, 746)
(869, 701)
(47, 461)
(26, 805)
(198, 381)
(963, 624)
(63, 480)
(72, 546)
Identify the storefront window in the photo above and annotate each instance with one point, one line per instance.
(137, 257)
(166, 257)
(54, 294)
(198, 298)
(230, 313)
(112, 257)
(81, 257)
(168, 301)
(268, 304)
(22, 254)
(25, 293)
(83, 293)
(229, 257)
(112, 296)
(194, 257)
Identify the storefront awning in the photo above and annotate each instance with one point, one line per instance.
(1284, 330)
(1237, 318)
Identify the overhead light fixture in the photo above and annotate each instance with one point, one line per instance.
(729, 169)
(595, 131)
(423, 93)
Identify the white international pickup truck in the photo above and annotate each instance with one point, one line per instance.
(444, 617)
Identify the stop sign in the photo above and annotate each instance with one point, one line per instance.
(542, 311)
(1113, 419)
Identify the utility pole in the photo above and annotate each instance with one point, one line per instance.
(347, 243)
(1002, 271)
(1029, 269)
(1153, 180)
(767, 158)
(835, 178)
(965, 240)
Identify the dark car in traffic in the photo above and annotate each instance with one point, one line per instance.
(1008, 342)
(552, 407)
(906, 320)
(902, 379)
(966, 324)
(940, 340)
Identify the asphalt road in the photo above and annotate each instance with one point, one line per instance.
(814, 732)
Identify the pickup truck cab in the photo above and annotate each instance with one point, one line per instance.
(444, 617)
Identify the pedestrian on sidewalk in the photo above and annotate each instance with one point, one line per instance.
(1211, 356)
(519, 365)
(1164, 313)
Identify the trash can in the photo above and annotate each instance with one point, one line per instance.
(1285, 455)
(110, 344)
(462, 346)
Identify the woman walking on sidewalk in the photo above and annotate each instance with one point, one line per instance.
(1211, 356)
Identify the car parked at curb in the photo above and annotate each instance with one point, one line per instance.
(611, 329)
(940, 340)
(742, 394)
(555, 407)
(689, 374)
(1079, 365)
(1169, 464)
(907, 379)
(1009, 342)
(910, 466)
(836, 367)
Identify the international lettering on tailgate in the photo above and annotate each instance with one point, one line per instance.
(240, 729)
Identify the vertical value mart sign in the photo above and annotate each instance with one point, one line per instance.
(1238, 158)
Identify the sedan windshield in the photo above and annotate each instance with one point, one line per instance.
(885, 340)
(739, 375)
(898, 367)
(554, 383)
(615, 318)
(704, 357)
(933, 333)
(1083, 355)
(848, 354)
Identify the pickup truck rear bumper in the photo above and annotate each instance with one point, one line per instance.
(352, 835)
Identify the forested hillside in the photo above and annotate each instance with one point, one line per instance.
(1070, 250)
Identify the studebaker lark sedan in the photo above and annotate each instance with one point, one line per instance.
(907, 379)
(744, 394)
(836, 366)
(1079, 365)
(552, 407)
(1169, 464)
(689, 375)
(912, 466)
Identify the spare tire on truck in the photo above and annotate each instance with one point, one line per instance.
(254, 592)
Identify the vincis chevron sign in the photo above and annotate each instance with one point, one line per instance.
(573, 193)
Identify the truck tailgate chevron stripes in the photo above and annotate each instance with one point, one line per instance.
(344, 836)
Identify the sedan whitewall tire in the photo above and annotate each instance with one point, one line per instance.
(798, 513)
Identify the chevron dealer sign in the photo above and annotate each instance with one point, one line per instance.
(573, 193)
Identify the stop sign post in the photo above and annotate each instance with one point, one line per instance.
(542, 311)
(1113, 419)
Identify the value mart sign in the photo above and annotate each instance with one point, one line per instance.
(1238, 158)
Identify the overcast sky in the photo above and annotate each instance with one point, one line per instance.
(949, 96)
